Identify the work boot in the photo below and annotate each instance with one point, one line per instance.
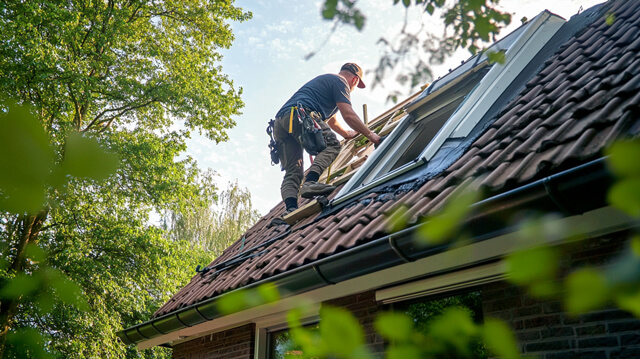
(288, 211)
(311, 189)
(280, 219)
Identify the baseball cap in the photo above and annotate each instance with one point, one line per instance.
(356, 70)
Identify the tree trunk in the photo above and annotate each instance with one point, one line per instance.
(30, 228)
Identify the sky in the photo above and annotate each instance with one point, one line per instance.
(267, 61)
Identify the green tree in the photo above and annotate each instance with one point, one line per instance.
(213, 222)
(119, 73)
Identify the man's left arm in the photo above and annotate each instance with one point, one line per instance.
(337, 127)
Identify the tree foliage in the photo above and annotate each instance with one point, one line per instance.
(116, 75)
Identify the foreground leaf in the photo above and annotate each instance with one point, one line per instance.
(586, 291)
(26, 160)
(500, 339)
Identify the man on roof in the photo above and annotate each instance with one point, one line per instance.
(322, 97)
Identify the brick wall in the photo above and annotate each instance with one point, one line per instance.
(545, 330)
(365, 309)
(237, 343)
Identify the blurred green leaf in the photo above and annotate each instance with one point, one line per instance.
(546, 289)
(4, 263)
(611, 18)
(268, 293)
(404, 352)
(20, 285)
(441, 227)
(623, 157)
(232, 302)
(538, 229)
(26, 160)
(29, 342)
(586, 290)
(625, 195)
(293, 317)
(530, 265)
(635, 245)
(66, 290)
(398, 220)
(35, 252)
(629, 301)
(238, 300)
(45, 303)
(496, 57)
(394, 326)
(85, 158)
(499, 338)
(456, 328)
(340, 331)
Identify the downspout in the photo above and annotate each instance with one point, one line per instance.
(563, 192)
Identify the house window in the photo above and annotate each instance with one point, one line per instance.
(424, 311)
(445, 114)
(417, 130)
(281, 346)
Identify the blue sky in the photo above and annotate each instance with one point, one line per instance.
(267, 61)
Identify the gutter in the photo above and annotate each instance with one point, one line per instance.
(571, 192)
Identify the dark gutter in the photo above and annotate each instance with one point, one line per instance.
(571, 192)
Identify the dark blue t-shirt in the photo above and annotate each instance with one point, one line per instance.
(321, 95)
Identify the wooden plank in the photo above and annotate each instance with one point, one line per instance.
(344, 178)
(303, 212)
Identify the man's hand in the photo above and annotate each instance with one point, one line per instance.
(350, 134)
(354, 122)
(374, 138)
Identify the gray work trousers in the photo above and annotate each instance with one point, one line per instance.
(291, 153)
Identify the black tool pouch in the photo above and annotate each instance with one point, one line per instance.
(311, 137)
(312, 141)
(273, 148)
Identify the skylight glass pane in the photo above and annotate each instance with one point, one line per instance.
(410, 139)
(423, 132)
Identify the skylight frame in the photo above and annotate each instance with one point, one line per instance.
(524, 43)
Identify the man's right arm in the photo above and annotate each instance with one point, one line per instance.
(352, 119)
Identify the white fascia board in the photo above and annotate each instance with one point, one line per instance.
(491, 87)
(592, 224)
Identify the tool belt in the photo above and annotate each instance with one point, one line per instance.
(311, 135)
(273, 149)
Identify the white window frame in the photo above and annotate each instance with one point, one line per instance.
(403, 136)
(529, 40)
(278, 322)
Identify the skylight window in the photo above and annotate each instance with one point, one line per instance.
(452, 106)
(416, 131)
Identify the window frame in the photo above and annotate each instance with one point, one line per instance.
(276, 323)
(520, 47)
(283, 328)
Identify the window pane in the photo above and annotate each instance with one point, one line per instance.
(425, 311)
(424, 132)
(282, 347)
